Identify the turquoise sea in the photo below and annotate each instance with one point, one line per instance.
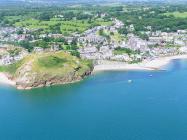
(102, 107)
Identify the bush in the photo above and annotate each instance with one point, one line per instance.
(75, 53)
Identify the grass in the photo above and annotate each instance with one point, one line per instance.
(35, 24)
(66, 27)
(116, 37)
(120, 51)
(172, 46)
(51, 61)
(56, 63)
(177, 14)
(13, 18)
(11, 68)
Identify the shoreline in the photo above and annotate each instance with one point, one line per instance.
(155, 64)
(5, 80)
(29, 88)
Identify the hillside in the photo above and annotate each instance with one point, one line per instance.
(39, 70)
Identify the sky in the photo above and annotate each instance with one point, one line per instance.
(86, 1)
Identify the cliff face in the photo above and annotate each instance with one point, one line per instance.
(50, 69)
(27, 79)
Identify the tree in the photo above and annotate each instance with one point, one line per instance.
(123, 31)
(41, 44)
(27, 45)
(55, 28)
(44, 16)
(75, 53)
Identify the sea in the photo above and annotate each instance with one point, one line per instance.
(108, 105)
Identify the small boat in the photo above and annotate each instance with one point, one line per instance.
(150, 75)
(129, 81)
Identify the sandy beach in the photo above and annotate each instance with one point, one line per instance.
(4, 80)
(155, 64)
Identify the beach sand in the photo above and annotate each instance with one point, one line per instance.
(4, 80)
(155, 64)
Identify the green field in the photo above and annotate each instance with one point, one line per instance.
(66, 27)
(177, 14)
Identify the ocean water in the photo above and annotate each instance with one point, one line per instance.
(105, 106)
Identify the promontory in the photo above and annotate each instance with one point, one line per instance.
(45, 69)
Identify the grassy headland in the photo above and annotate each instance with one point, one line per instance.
(45, 69)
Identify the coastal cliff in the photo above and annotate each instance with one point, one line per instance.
(46, 69)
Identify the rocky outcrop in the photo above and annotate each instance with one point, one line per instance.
(52, 69)
(35, 80)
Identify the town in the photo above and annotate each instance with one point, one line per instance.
(97, 43)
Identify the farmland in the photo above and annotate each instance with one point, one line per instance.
(177, 14)
(60, 25)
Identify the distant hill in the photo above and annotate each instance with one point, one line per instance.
(86, 1)
(69, 2)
